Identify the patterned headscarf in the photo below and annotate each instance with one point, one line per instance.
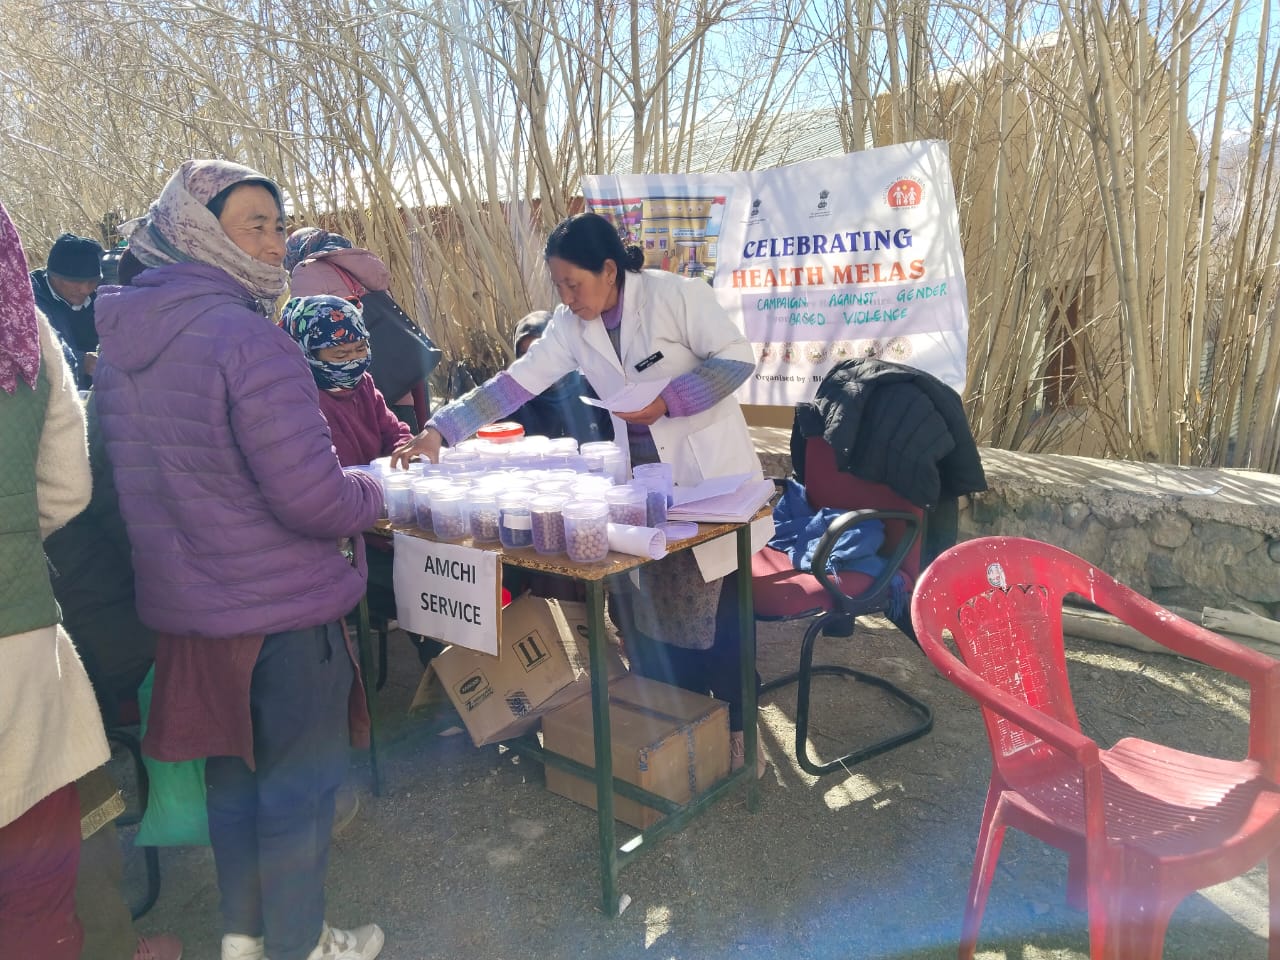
(179, 228)
(305, 242)
(19, 333)
(324, 321)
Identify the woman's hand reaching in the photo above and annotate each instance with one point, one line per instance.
(426, 444)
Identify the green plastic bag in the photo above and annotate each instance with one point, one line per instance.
(176, 814)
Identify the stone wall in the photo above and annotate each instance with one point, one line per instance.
(1183, 536)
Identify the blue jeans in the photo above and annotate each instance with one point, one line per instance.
(270, 827)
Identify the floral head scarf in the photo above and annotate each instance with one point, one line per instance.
(324, 321)
(180, 228)
(305, 242)
(19, 333)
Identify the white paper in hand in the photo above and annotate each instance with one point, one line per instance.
(632, 397)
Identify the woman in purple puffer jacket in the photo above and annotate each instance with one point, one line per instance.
(238, 513)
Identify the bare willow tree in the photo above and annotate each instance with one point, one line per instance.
(1115, 165)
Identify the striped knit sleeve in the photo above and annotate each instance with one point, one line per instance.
(705, 386)
(494, 399)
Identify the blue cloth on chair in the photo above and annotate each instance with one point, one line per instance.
(798, 528)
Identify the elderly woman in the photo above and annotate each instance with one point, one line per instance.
(240, 519)
(620, 324)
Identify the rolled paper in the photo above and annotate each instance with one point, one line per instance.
(637, 541)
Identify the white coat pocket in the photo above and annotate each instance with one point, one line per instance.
(722, 447)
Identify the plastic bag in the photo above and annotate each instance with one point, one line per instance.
(177, 814)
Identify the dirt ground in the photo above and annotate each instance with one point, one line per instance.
(468, 855)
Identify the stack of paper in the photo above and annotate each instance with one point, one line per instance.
(732, 499)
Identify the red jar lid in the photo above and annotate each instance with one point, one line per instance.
(503, 432)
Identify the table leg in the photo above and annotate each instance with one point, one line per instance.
(604, 747)
(747, 626)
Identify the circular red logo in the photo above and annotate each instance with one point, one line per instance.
(904, 193)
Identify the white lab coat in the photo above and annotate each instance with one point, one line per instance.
(670, 325)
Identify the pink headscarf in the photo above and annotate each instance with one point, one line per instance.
(19, 334)
(180, 228)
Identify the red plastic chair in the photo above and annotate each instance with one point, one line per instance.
(781, 592)
(1143, 825)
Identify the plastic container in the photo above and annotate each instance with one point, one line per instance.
(482, 506)
(590, 487)
(449, 514)
(455, 459)
(550, 487)
(586, 530)
(657, 481)
(515, 527)
(547, 523)
(569, 462)
(626, 505)
(397, 492)
(422, 490)
(614, 463)
(503, 432)
(562, 447)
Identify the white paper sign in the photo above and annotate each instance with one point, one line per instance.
(449, 592)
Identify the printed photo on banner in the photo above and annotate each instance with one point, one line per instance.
(850, 256)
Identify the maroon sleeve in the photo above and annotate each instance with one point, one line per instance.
(391, 428)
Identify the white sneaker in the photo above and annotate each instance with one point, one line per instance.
(362, 943)
(237, 946)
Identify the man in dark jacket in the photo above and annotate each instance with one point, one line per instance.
(65, 290)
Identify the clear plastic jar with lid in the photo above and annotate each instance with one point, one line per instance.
(449, 514)
(397, 491)
(422, 501)
(586, 530)
(515, 527)
(547, 523)
(591, 487)
(614, 460)
(503, 432)
(482, 507)
(626, 505)
(563, 447)
(455, 459)
(656, 479)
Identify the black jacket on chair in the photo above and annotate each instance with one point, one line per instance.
(899, 426)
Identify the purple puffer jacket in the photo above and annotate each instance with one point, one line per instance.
(228, 483)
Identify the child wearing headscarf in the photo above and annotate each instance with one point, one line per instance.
(334, 340)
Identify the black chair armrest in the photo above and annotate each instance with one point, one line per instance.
(893, 563)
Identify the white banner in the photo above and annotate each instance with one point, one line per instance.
(818, 262)
(448, 592)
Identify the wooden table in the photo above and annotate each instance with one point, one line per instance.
(596, 577)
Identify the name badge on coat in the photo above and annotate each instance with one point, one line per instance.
(648, 361)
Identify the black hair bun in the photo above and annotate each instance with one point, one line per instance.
(635, 257)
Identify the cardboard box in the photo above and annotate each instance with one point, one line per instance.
(544, 649)
(669, 741)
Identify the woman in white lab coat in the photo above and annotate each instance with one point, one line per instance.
(620, 324)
